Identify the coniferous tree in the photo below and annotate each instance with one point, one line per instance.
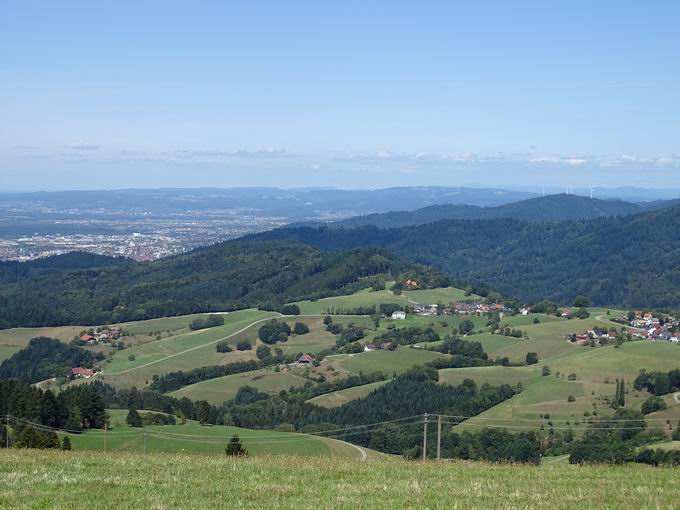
(66, 444)
(133, 418)
(622, 394)
(235, 448)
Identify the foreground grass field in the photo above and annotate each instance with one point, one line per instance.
(43, 479)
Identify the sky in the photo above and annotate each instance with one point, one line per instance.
(342, 94)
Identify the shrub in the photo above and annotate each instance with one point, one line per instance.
(274, 331)
(300, 328)
(290, 310)
(222, 346)
(244, 345)
(653, 404)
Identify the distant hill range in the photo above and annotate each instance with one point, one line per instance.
(631, 260)
(549, 208)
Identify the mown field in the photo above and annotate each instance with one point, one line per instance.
(192, 438)
(53, 479)
(216, 391)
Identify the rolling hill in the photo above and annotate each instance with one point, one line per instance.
(222, 277)
(629, 260)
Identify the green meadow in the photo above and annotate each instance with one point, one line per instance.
(216, 391)
(54, 479)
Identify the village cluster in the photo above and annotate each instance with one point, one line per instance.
(103, 335)
(640, 325)
(458, 308)
(647, 325)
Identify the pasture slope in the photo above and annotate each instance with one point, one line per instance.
(192, 438)
(54, 479)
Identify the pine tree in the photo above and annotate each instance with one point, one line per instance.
(133, 418)
(622, 394)
(66, 444)
(235, 448)
(615, 401)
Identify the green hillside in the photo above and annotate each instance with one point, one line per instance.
(192, 438)
(613, 260)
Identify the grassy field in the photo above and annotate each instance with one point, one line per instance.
(192, 438)
(216, 391)
(136, 365)
(365, 297)
(596, 371)
(53, 479)
(388, 362)
(433, 296)
(340, 397)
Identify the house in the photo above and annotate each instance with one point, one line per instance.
(87, 338)
(411, 284)
(398, 315)
(370, 347)
(566, 312)
(305, 359)
(525, 310)
(78, 372)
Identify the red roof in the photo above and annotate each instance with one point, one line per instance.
(82, 372)
(87, 338)
(306, 358)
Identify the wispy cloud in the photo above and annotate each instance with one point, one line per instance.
(82, 146)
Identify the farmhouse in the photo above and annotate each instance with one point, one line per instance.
(305, 359)
(398, 315)
(79, 372)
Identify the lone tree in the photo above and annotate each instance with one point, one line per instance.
(66, 444)
(235, 448)
(133, 418)
(532, 358)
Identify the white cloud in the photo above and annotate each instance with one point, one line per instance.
(82, 146)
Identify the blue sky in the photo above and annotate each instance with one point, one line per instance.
(347, 94)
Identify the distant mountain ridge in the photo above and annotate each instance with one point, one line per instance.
(549, 208)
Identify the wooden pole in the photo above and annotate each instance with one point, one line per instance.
(439, 437)
(425, 437)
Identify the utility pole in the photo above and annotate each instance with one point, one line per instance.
(144, 435)
(425, 437)
(439, 437)
(105, 436)
(7, 431)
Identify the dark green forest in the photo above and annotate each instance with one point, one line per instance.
(627, 260)
(223, 277)
(44, 358)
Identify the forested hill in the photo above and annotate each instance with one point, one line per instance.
(221, 277)
(629, 260)
(549, 208)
